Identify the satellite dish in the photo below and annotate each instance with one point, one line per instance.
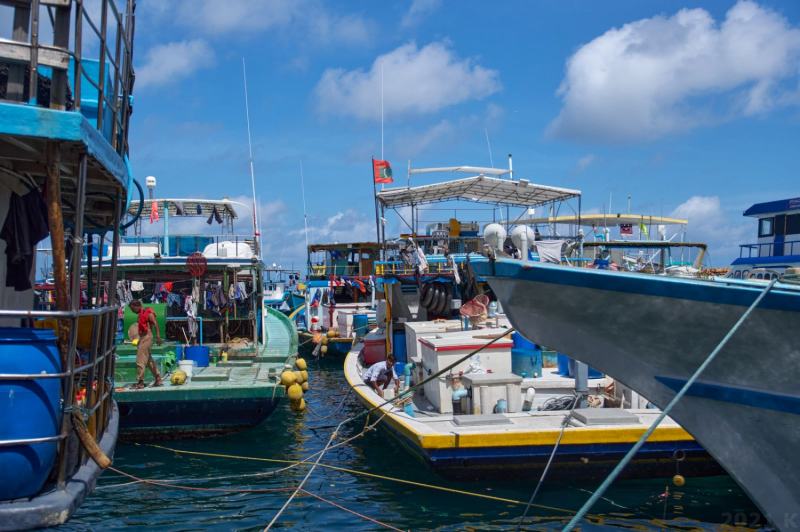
(494, 235)
(150, 181)
(516, 236)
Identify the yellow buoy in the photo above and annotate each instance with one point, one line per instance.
(323, 349)
(300, 379)
(325, 340)
(298, 406)
(178, 378)
(678, 480)
(304, 386)
(288, 378)
(301, 364)
(331, 333)
(304, 373)
(294, 392)
(135, 342)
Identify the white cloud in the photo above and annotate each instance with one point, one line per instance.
(309, 18)
(583, 163)
(416, 81)
(168, 63)
(419, 9)
(664, 74)
(347, 226)
(711, 224)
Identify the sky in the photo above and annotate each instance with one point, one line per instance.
(692, 108)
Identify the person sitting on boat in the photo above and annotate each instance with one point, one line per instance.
(144, 357)
(381, 374)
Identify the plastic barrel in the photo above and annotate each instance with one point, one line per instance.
(563, 364)
(522, 342)
(593, 373)
(30, 409)
(198, 353)
(400, 352)
(398, 368)
(360, 323)
(527, 361)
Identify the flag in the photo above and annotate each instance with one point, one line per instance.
(382, 171)
(315, 299)
(626, 229)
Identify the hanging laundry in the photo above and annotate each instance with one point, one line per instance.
(179, 210)
(199, 209)
(217, 216)
(241, 291)
(166, 288)
(174, 299)
(188, 308)
(25, 226)
(232, 291)
(137, 286)
(154, 212)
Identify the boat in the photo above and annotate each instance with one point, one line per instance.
(64, 170)
(208, 295)
(498, 414)
(775, 251)
(339, 287)
(742, 410)
(283, 289)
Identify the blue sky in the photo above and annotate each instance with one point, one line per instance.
(692, 108)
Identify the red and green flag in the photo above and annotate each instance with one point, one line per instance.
(382, 171)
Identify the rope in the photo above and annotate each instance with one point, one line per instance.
(335, 411)
(550, 460)
(618, 469)
(350, 511)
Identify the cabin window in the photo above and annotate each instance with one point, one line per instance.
(793, 224)
(737, 275)
(759, 276)
(775, 276)
(765, 226)
(746, 274)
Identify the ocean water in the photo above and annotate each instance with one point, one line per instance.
(708, 504)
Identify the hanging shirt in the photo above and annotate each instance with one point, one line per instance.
(144, 323)
(25, 226)
(154, 212)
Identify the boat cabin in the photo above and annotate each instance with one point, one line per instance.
(778, 240)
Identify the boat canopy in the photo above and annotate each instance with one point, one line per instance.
(596, 220)
(225, 207)
(480, 189)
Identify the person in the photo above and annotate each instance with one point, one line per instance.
(144, 358)
(381, 374)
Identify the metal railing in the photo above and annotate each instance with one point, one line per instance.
(768, 249)
(171, 246)
(26, 50)
(436, 265)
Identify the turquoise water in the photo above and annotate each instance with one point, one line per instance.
(701, 504)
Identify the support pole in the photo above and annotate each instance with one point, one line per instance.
(55, 218)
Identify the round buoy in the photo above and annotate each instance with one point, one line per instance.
(304, 373)
(678, 480)
(304, 386)
(325, 340)
(294, 392)
(331, 333)
(299, 377)
(301, 364)
(298, 406)
(178, 378)
(323, 349)
(288, 378)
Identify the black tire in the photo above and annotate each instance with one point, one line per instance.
(447, 297)
(427, 295)
(437, 295)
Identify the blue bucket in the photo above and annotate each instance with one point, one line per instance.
(522, 342)
(399, 367)
(563, 364)
(400, 351)
(31, 409)
(527, 361)
(198, 353)
(360, 323)
(593, 373)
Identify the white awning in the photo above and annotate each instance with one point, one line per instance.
(465, 169)
(224, 207)
(596, 220)
(479, 189)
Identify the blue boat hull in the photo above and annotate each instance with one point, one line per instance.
(155, 420)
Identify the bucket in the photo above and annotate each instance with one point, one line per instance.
(186, 366)
(521, 341)
(399, 367)
(593, 373)
(360, 323)
(30, 409)
(400, 351)
(527, 362)
(198, 353)
(563, 364)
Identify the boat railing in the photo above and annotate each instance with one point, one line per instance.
(768, 249)
(436, 265)
(107, 101)
(173, 246)
(93, 371)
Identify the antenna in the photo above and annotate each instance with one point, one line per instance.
(303, 188)
(491, 162)
(256, 233)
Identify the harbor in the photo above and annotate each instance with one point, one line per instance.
(300, 282)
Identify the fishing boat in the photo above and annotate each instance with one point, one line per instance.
(499, 413)
(64, 120)
(772, 254)
(207, 292)
(283, 289)
(743, 409)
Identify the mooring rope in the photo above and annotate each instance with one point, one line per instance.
(624, 462)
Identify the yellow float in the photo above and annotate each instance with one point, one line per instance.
(288, 378)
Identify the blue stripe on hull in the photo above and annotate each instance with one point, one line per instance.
(739, 395)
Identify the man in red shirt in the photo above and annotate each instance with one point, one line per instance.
(146, 322)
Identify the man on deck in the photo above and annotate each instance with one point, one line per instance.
(381, 374)
(144, 358)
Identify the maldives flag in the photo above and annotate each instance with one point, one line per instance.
(382, 171)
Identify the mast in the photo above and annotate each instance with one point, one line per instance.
(250, 147)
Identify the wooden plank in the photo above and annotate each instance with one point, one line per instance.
(19, 55)
(16, 73)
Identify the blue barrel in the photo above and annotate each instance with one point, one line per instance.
(399, 346)
(398, 368)
(198, 353)
(527, 361)
(521, 341)
(593, 373)
(30, 409)
(563, 364)
(360, 323)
